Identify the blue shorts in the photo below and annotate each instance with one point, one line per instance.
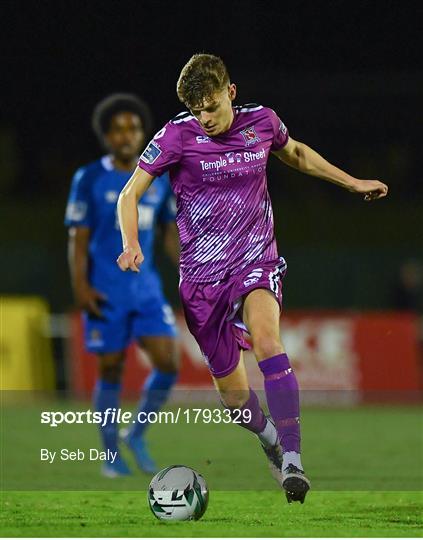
(120, 326)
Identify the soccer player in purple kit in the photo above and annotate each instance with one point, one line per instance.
(230, 270)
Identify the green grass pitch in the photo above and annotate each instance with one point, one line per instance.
(365, 464)
(238, 513)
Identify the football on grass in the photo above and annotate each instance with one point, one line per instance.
(178, 493)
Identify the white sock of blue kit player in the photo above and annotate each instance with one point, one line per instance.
(107, 395)
(155, 392)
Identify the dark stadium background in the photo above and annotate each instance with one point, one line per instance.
(346, 77)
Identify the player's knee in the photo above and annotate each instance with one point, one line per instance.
(169, 365)
(111, 374)
(266, 346)
(234, 399)
(168, 360)
(111, 370)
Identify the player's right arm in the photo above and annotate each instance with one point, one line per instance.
(86, 297)
(127, 207)
(79, 221)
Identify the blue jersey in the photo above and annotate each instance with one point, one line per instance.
(92, 203)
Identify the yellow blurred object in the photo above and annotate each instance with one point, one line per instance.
(26, 359)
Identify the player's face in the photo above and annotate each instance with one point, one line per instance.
(215, 114)
(125, 137)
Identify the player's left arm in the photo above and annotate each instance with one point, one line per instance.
(303, 158)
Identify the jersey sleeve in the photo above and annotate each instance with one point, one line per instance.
(163, 151)
(167, 210)
(280, 131)
(79, 201)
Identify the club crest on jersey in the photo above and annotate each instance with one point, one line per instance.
(250, 136)
(201, 139)
(151, 153)
(95, 338)
(111, 196)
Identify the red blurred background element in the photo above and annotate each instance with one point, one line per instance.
(373, 356)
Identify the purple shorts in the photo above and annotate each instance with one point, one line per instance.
(213, 311)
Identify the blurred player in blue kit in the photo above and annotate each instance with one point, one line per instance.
(121, 307)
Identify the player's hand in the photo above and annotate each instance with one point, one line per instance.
(130, 259)
(372, 189)
(88, 299)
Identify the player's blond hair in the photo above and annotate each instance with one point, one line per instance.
(202, 76)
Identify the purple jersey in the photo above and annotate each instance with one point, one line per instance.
(224, 213)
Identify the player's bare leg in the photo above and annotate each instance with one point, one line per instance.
(261, 316)
(236, 395)
(107, 395)
(163, 352)
(234, 389)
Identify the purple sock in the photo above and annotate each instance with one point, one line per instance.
(257, 421)
(283, 400)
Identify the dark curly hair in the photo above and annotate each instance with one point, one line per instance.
(117, 103)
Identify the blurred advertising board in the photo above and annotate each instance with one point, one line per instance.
(26, 358)
(349, 356)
